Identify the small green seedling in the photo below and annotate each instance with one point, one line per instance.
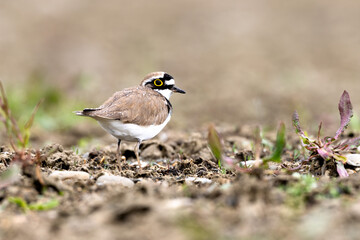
(215, 144)
(329, 148)
(216, 147)
(20, 202)
(21, 135)
(279, 145)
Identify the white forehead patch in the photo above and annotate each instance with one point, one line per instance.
(170, 82)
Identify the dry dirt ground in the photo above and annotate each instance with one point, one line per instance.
(179, 194)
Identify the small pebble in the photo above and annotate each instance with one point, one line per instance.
(273, 166)
(296, 175)
(74, 175)
(353, 159)
(143, 164)
(114, 180)
(177, 203)
(250, 163)
(190, 180)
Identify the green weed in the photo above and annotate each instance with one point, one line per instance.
(330, 148)
(279, 145)
(215, 144)
(21, 203)
(20, 134)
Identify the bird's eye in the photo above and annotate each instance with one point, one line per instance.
(158, 82)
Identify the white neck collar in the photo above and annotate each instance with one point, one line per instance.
(165, 92)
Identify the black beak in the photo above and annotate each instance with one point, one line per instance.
(178, 90)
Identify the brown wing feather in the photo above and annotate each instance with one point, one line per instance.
(139, 105)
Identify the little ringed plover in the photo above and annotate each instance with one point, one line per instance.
(137, 113)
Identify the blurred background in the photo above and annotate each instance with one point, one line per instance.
(241, 62)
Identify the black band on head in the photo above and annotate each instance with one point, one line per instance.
(167, 77)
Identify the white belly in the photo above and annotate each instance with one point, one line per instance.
(131, 132)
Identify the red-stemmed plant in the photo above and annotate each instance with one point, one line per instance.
(18, 138)
(330, 148)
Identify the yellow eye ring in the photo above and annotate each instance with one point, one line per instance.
(158, 82)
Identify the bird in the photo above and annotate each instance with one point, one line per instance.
(137, 113)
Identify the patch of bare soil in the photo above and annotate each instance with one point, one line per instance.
(180, 193)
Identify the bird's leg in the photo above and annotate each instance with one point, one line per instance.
(136, 150)
(118, 155)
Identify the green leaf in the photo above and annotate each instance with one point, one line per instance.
(340, 158)
(279, 145)
(214, 143)
(53, 203)
(19, 202)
